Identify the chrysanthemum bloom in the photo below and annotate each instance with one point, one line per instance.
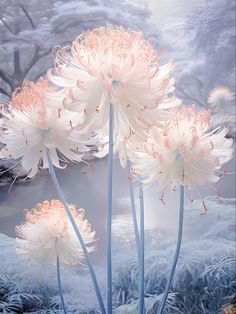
(110, 65)
(47, 233)
(186, 152)
(28, 127)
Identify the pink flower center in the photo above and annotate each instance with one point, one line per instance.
(30, 95)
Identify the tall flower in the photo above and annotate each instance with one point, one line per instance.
(47, 233)
(110, 65)
(28, 127)
(186, 152)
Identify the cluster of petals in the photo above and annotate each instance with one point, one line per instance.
(109, 65)
(121, 144)
(28, 127)
(47, 233)
(186, 152)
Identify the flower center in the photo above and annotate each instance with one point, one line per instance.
(46, 133)
(115, 84)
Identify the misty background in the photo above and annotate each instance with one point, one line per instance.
(199, 36)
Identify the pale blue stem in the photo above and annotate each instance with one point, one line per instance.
(180, 232)
(109, 214)
(133, 210)
(141, 255)
(59, 285)
(76, 229)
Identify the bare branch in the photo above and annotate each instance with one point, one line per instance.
(184, 94)
(28, 16)
(29, 64)
(17, 68)
(38, 75)
(6, 78)
(7, 26)
(36, 57)
(2, 91)
(45, 53)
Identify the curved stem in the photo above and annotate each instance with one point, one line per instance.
(109, 214)
(141, 255)
(180, 232)
(59, 285)
(76, 229)
(133, 210)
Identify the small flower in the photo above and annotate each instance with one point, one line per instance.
(110, 65)
(186, 152)
(47, 233)
(28, 127)
(219, 96)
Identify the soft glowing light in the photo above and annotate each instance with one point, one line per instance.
(219, 95)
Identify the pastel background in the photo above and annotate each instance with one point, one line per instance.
(200, 37)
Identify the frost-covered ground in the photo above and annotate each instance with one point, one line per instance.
(206, 270)
(205, 275)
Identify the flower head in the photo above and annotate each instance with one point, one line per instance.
(110, 65)
(220, 95)
(186, 152)
(28, 127)
(47, 233)
(30, 95)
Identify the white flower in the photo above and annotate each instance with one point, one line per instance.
(219, 96)
(109, 65)
(121, 146)
(28, 127)
(47, 233)
(186, 152)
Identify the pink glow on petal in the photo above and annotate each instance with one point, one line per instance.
(185, 152)
(47, 232)
(30, 95)
(125, 67)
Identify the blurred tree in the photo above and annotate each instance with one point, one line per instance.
(203, 48)
(29, 30)
(212, 31)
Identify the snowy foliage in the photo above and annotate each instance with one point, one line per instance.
(202, 46)
(213, 29)
(204, 281)
(205, 273)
